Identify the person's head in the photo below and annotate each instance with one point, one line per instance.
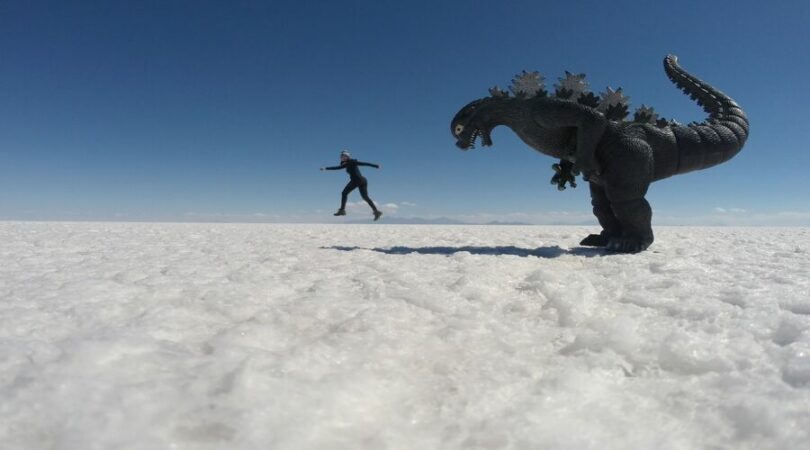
(345, 155)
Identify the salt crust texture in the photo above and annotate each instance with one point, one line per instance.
(124, 336)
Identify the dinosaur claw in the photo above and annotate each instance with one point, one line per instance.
(564, 173)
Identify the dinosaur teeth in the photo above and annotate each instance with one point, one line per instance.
(475, 135)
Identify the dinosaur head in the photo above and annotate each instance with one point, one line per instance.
(474, 121)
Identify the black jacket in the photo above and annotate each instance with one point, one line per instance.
(351, 166)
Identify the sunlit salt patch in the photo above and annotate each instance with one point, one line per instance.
(735, 296)
(797, 307)
(797, 369)
(752, 418)
(689, 354)
(616, 334)
(789, 331)
(568, 300)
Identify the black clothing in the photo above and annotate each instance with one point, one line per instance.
(351, 166)
(357, 181)
(363, 185)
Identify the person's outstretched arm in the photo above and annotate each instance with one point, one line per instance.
(376, 166)
(332, 168)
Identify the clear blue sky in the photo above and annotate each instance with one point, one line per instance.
(198, 110)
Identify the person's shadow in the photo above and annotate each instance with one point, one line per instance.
(540, 252)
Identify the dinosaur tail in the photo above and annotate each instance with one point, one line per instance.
(720, 136)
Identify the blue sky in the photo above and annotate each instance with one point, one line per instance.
(170, 110)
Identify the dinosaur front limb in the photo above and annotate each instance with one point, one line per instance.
(588, 135)
(564, 173)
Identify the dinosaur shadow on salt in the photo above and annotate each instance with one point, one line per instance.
(539, 252)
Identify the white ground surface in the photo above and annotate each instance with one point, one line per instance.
(138, 336)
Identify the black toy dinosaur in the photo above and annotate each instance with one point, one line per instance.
(619, 159)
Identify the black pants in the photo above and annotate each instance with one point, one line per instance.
(363, 185)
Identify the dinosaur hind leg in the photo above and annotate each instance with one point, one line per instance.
(626, 180)
(607, 219)
(635, 216)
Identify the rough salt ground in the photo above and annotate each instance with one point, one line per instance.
(324, 336)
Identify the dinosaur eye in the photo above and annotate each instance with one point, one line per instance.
(459, 129)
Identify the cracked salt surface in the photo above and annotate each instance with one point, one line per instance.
(384, 336)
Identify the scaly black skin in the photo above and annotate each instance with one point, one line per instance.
(619, 159)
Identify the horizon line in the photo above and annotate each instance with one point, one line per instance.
(457, 223)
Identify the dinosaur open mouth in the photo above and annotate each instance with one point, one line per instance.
(468, 142)
(486, 140)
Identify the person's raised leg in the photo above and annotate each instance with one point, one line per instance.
(364, 194)
(344, 196)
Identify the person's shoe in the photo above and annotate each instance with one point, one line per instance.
(377, 215)
(340, 212)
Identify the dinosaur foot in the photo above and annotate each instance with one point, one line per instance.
(595, 240)
(627, 244)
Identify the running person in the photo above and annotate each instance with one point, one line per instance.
(357, 180)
